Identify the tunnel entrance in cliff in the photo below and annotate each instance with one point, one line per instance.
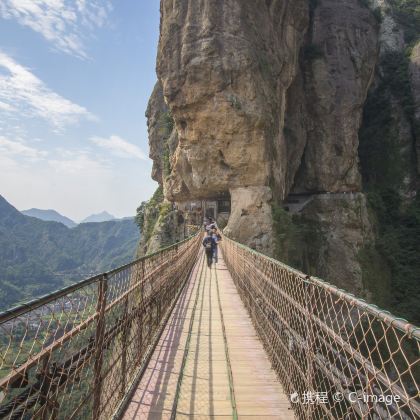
(217, 207)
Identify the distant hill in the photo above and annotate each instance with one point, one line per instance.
(38, 257)
(97, 218)
(49, 216)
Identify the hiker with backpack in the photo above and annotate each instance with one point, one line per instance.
(217, 238)
(212, 225)
(209, 244)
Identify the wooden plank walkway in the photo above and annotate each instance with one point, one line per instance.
(209, 362)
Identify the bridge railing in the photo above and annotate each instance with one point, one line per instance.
(75, 353)
(336, 355)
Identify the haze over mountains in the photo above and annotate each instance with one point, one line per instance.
(53, 216)
(38, 257)
(49, 216)
(100, 217)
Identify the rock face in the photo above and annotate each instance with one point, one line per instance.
(263, 99)
(339, 66)
(225, 68)
(345, 229)
(250, 221)
(158, 131)
(415, 82)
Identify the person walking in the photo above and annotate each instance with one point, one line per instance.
(207, 224)
(209, 246)
(217, 238)
(212, 224)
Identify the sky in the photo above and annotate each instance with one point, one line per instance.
(75, 79)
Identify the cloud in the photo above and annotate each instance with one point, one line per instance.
(10, 149)
(21, 92)
(5, 107)
(66, 24)
(75, 183)
(59, 160)
(119, 147)
(78, 163)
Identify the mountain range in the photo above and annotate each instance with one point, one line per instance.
(49, 216)
(53, 216)
(38, 257)
(99, 217)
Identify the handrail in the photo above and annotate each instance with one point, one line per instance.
(49, 297)
(307, 324)
(400, 323)
(75, 353)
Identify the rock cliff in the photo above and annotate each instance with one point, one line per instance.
(263, 100)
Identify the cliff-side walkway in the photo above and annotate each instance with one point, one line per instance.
(209, 362)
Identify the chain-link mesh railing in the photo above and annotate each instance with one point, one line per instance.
(75, 353)
(337, 356)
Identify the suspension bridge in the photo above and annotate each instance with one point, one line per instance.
(166, 337)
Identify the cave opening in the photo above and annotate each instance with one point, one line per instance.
(218, 207)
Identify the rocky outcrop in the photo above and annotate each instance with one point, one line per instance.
(169, 229)
(389, 137)
(262, 99)
(161, 225)
(250, 221)
(345, 229)
(339, 65)
(225, 68)
(157, 115)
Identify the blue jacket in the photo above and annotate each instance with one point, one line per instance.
(211, 240)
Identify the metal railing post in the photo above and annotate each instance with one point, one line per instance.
(99, 342)
(310, 343)
(124, 340)
(140, 315)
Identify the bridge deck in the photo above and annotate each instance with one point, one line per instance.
(209, 362)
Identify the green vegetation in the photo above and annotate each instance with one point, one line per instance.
(38, 257)
(376, 275)
(166, 123)
(148, 214)
(139, 218)
(398, 242)
(391, 267)
(166, 159)
(376, 11)
(407, 14)
(382, 164)
(164, 209)
(298, 240)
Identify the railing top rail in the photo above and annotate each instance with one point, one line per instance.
(23, 308)
(387, 317)
(76, 352)
(323, 340)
